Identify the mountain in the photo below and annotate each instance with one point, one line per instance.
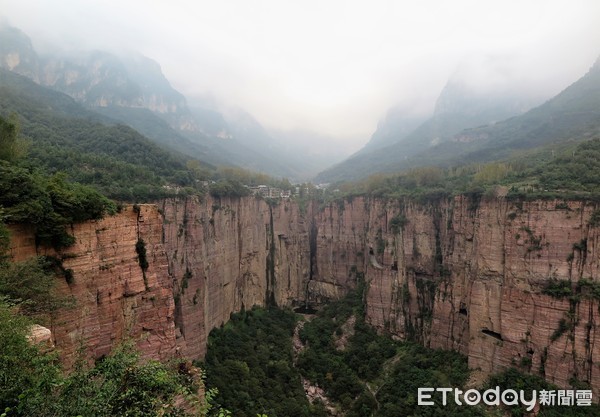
(397, 124)
(64, 136)
(132, 89)
(573, 114)
(97, 78)
(398, 137)
(243, 140)
(17, 53)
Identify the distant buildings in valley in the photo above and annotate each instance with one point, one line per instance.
(267, 191)
(270, 192)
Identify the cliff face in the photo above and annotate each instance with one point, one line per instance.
(470, 276)
(457, 274)
(115, 298)
(228, 254)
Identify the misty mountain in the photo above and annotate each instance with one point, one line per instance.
(395, 126)
(574, 114)
(209, 120)
(65, 136)
(17, 53)
(459, 106)
(97, 78)
(301, 153)
(133, 90)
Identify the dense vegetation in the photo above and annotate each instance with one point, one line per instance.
(373, 375)
(574, 170)
(249, 361)
(33, 384)
(570, 171)
(47, 203)
(115, 159)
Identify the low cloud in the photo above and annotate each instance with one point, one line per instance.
(333, 67)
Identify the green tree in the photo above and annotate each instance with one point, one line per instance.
(11, 146)
(31, 286)
(26, 376)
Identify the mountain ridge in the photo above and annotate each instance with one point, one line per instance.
(121, 86)
(574, 113)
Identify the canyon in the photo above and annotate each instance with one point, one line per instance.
(463, 273)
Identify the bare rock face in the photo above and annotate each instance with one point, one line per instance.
(470, 276)
(230, 254)
(40, 336)
(115, 299)
(456, 274)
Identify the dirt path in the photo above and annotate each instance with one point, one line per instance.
(313, 392)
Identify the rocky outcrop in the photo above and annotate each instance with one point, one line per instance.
(457, 274)
(40, 336)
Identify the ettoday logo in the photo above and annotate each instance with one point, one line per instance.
(496, 396)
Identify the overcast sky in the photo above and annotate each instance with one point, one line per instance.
(333, 66)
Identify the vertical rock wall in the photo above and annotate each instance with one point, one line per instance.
(453, 274)
(115, 299)
(469, 275)
(229, 254)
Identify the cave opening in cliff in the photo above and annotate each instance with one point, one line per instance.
(491, 333)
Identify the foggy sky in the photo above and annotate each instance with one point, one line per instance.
(332, 66)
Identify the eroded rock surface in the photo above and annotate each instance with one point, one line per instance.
(453, 274)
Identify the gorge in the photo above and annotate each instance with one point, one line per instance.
(466, 273)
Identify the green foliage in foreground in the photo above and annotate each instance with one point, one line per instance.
(32, 383)
(30, 286)
(26, 376)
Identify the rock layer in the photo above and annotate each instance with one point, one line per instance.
(470, 275)
(115, 298)
(455, 274)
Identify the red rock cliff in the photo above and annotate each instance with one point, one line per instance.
(115, 298)
(469, 276)
(456, 274)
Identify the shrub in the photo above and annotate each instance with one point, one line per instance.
(558, 288)
(398, 222)
(140, 249)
